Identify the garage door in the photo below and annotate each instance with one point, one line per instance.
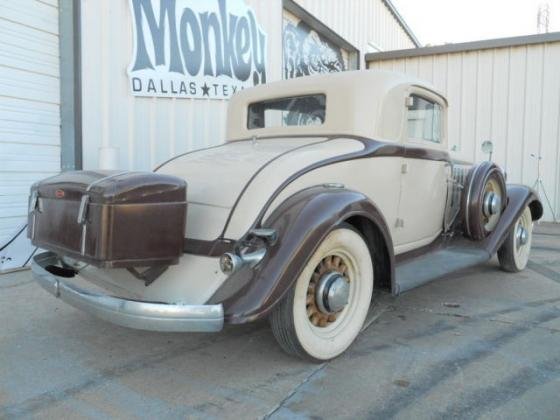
(29, 108)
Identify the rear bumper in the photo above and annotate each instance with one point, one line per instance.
(128, 313)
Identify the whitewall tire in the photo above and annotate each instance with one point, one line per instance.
(514, 252)
(323, 313)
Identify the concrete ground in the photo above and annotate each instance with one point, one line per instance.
(479, 344)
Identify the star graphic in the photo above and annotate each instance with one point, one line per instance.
(205, 90)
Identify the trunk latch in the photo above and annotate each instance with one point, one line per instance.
(34, 202)
(82, 212)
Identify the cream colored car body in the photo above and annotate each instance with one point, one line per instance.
(229, 184)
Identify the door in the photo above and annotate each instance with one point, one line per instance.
(425, 171)
(29, 115)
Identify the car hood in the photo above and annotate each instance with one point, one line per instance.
(241, 176)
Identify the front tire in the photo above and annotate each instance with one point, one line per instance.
(513, 255)
(313, 321)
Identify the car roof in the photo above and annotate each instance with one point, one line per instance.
(360, 103)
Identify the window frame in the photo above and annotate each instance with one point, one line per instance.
(436, 105)
(432, 96)
(284, 98)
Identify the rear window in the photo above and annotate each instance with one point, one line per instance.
(292, 111)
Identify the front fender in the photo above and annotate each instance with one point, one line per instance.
(302, 222)
(519, 197)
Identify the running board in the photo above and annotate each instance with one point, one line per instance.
(417, 271)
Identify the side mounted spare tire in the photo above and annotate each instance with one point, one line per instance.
(484, 200)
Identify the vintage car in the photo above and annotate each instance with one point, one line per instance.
(326, 188)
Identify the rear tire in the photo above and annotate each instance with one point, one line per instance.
(513, 255)
(303, 324)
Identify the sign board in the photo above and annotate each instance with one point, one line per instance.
(195, 49)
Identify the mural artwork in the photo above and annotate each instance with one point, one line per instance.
(306, 52)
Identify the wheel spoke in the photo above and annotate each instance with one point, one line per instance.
(315, 319)
(336, 261)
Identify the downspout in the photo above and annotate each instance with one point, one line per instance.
(70, 85)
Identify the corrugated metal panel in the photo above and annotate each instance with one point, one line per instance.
(29, 105)
(361, 22)
(508, 95)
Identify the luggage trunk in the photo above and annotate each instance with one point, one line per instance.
(110, 219)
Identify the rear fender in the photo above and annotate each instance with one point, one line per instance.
(302, 222)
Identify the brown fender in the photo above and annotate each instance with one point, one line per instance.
(519, 197)
(302, 222)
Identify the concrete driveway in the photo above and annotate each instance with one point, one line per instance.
(481, 343)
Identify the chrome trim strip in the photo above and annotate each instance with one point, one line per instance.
(83, 210)
(128, 313)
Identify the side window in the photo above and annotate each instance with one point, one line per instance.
(424, 119)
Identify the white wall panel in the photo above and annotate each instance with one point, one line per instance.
(148, 131)
(510, 95)
(29, 105)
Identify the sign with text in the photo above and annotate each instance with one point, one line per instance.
(195, 49)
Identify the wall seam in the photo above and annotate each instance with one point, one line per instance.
(476, 82)
(523, 122)
(492, 90)
(507, 108)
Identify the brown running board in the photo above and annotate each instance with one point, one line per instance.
(425, 268)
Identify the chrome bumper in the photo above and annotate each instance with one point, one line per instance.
(128, 313)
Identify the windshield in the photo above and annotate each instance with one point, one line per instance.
(292, 111)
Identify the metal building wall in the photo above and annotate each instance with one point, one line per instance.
(509, 95)
(361, 22)
(147, 131)
(29, 106)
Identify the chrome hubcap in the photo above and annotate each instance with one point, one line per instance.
(492, 204)
(521, 236)
(328, 292)
(332, 293)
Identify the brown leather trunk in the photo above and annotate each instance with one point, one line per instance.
(110, 219)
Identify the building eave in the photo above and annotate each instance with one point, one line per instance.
(465, 47)
(402, 22)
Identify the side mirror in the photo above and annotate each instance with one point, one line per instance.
(488, 147)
